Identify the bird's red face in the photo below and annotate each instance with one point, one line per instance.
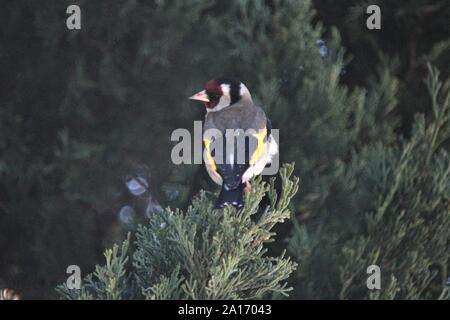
(211, 95)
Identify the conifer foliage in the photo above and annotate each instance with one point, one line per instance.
(202, 253)
(406, 231)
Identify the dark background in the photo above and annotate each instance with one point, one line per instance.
(83, 111)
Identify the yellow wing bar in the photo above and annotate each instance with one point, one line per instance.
(260, 136)
(209, 158)
(260, 145)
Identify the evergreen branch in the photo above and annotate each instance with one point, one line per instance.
(202, 253)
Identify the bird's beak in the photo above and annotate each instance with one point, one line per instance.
(200, 96)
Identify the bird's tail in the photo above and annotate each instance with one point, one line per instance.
(232, 197)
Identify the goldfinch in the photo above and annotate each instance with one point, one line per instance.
(242, 129)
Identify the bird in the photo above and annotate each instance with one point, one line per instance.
(247, 151)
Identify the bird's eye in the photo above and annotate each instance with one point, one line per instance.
(213, 96)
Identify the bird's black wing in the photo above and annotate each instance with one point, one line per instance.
(227, 167)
